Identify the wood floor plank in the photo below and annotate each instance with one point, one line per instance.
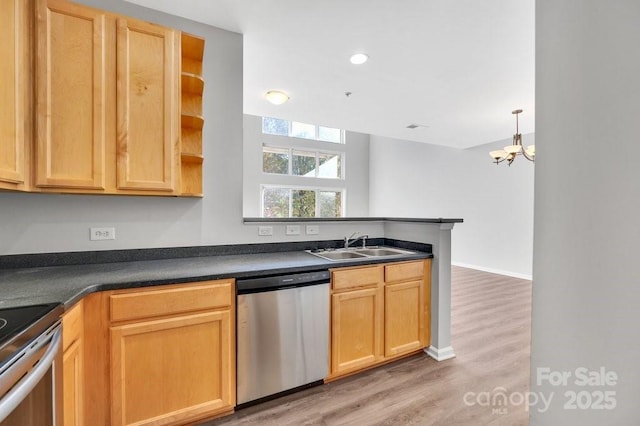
(491, 335)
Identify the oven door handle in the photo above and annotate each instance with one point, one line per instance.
(23, 388)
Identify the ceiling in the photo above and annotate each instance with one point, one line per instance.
(458, 67)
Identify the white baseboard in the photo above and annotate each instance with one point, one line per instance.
(494, 271)
(440, 354)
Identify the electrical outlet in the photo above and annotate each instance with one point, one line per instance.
(98, 234)
(313, 229)
(265, 231)
(293, 230)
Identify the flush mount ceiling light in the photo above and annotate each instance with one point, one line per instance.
(276, 97)
(358, 58)
(510, 152)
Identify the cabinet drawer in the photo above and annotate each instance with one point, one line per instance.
(173, 300)
(404, 271)
(357, 277)
(72, 325)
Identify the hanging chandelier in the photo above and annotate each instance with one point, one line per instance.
(510, 152)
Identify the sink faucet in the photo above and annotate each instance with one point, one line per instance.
(353, 238)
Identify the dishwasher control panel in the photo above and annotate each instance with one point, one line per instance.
(253, 285)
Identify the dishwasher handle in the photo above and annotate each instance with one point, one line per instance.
(23, 388)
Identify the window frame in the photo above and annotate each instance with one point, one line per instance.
(317, 152)
(316, 189)
(316, 131)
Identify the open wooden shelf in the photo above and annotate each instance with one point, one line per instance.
(192, 47)
(195, 122)
(187, 157)
(191, 179)
(192, 83)
(191, 141)
(192, 121)
(191, 104)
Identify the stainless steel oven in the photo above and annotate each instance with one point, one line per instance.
(31, 366)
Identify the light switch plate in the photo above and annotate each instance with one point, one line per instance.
(313, 229)
(293, 230)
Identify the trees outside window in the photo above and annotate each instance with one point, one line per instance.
(279, 202)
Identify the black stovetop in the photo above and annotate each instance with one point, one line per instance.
(20, 325)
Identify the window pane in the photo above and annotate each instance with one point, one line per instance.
(303, 203)
(330, 204)
(275, 126)
(302, 130)
(329, 134)
(330, 166)
(304, 163)
(275, 160)
(275, 202)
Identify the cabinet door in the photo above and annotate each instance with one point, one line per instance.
(356, 329)
(404, 316)
(73, 384)
(72, 79)
(73, 365)
(172, 370)
(14, 72)
(147, 106)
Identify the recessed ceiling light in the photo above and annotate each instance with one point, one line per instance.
(276, 97)
(358, 58)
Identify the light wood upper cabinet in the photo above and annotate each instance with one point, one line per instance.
(107, 105)
(15, 95)
(148, 70)
(73, 79)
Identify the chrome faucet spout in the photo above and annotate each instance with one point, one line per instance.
(348, 241)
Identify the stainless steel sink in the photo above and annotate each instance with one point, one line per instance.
(340, 255)
(377, 252)
(360, 253)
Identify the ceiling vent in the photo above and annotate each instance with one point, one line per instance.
(415, 126)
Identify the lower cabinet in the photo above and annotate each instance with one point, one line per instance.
(378, 313)
(172, 369)
(403, 316)
(163, 355)
(73, 366)
(356, 323)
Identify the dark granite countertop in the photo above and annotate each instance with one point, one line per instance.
(351, 219)
(69, 283)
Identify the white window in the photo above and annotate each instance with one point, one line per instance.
(302, 162)
(281, 201)
(301, 178)
(280, 127)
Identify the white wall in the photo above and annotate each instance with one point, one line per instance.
(356, 181)
(411, 179)
(40, 223)
(586, 293)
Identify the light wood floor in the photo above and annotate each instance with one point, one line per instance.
(491, 332)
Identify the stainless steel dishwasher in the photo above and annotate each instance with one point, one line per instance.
(283, 334)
